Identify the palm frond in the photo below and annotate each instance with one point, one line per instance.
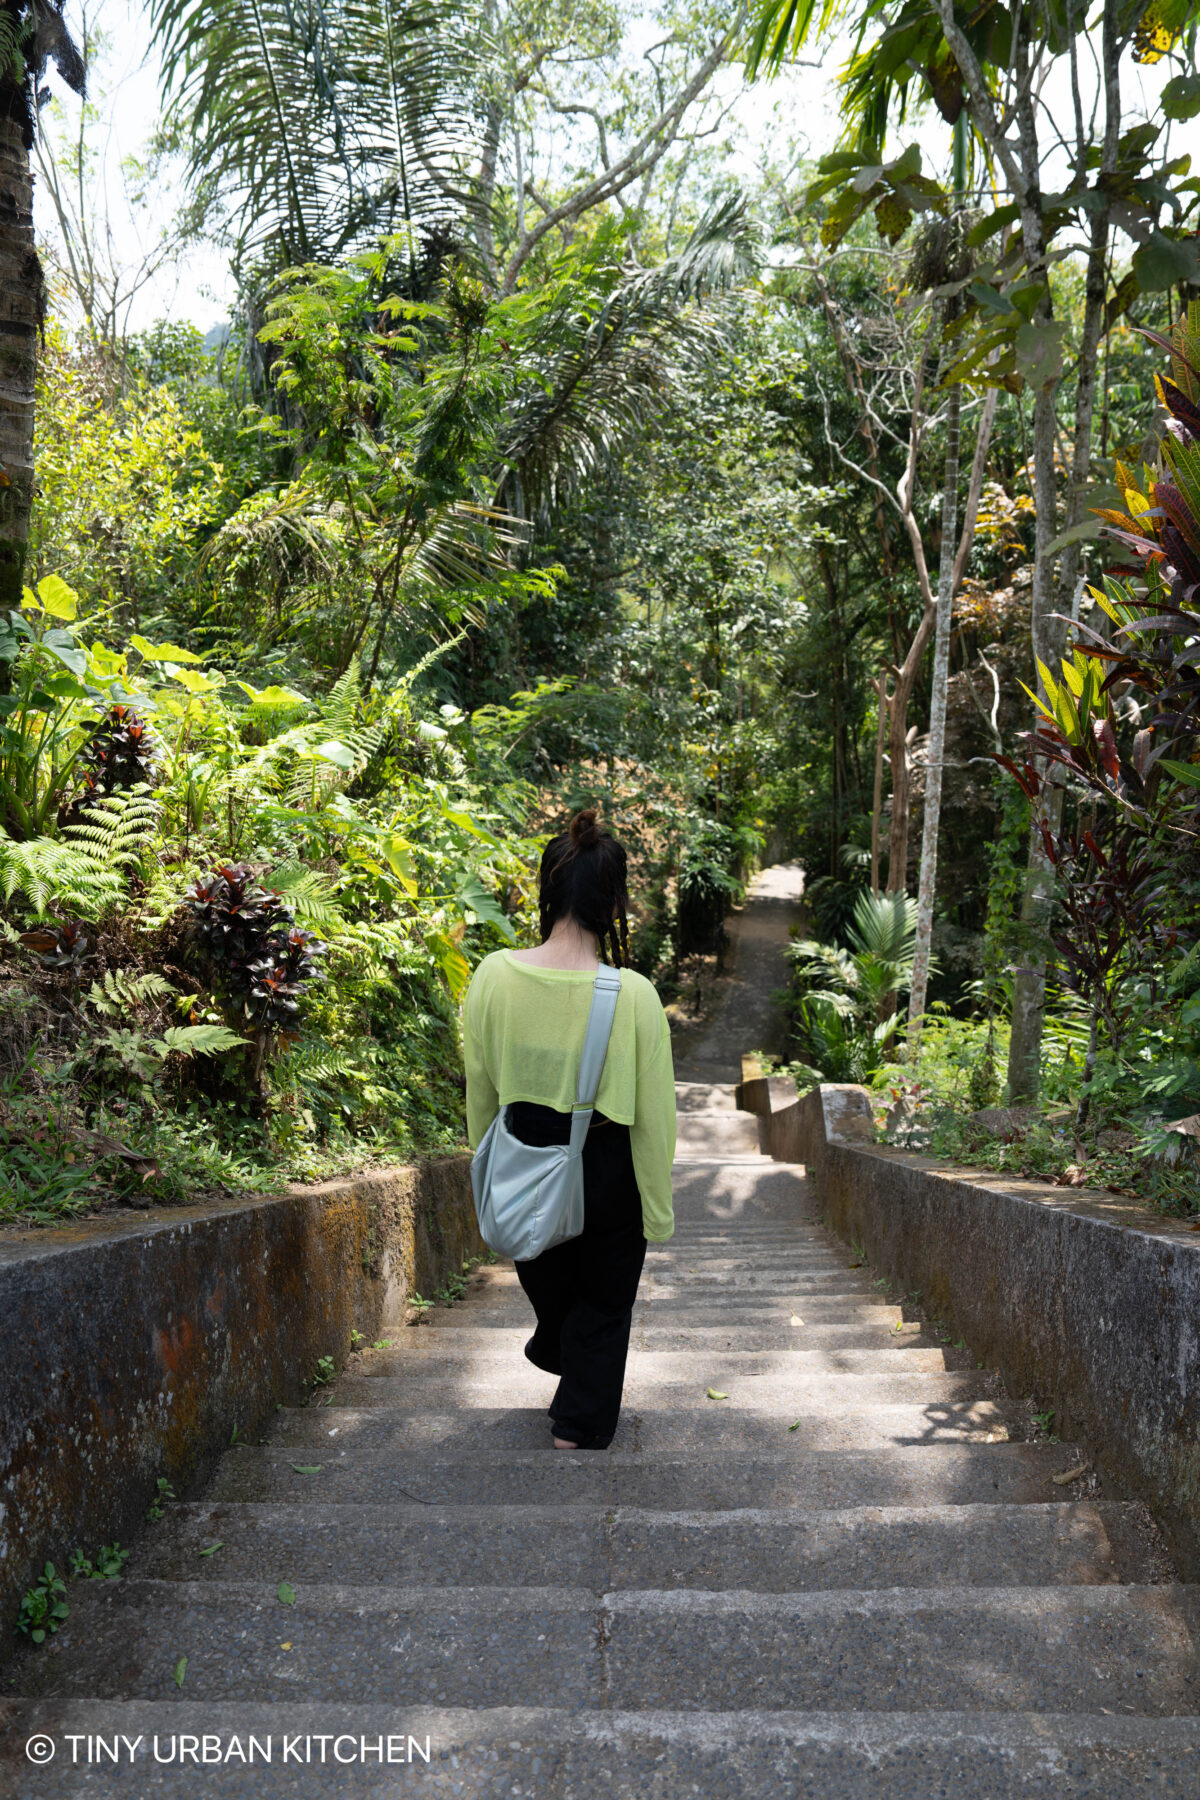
(779, 29)
(885, 926)
(411, 676)
(320, 125)
(281, 534)
(607, 370)
(468, 543)
(722, 253)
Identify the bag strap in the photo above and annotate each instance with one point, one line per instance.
(605, 990)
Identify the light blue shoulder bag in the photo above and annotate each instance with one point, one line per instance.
(529, 1197)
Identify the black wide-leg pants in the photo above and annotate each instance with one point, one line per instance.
(583, 1291)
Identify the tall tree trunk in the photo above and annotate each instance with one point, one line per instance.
(950, 575)
(906, 677)
(927, 887)
(20, 321)
(1029, 979)
(1049, 633)
(1021, 164)
(877, 801)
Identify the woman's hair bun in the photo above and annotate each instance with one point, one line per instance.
(591, 888)
(584, 829)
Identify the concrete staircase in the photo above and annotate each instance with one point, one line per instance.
(840, 1580)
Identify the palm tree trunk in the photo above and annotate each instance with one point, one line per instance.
(20, 322)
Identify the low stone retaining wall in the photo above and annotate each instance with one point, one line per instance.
(1078, 1296)
(130, 1349)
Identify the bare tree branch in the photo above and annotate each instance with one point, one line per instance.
(642, 156)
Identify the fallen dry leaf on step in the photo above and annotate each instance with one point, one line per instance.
(798, 1321)
(1068, 1475)
(714, 1395)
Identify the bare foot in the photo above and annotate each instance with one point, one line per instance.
(564, 1444)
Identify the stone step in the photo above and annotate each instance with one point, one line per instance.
(657, 1291)
(487, 1356)
(752, 1248)
(494, 1753)
(811, 1334)
(756, 1243)
(799, 1221)
(797, 1215)
(831, 1312)
(716, 1133)
(1027, 1649)
(796, 1261)
(819, 1390)
(768, 1281)
(759, 1549)
(357, 1468)
(842, 1314)
(701, 1096)
(792, 1214)
(751, 1243)
(651, 1431)
(650, 1333)
(760, 1274)
(705, 1161)
(773, 1192)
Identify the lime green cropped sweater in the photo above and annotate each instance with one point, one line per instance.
(523, 1030)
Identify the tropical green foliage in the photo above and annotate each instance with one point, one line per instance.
(538, 471)
(844, 1000)
(1128, 923)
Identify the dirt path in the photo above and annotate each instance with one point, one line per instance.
(744, 1016)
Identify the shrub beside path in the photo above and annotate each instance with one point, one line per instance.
(812, 1564)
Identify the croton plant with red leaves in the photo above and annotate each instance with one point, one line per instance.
(1151, 652)
(1122, 717)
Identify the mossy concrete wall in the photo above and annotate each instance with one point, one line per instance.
(1079, 1297)
(131, 1348)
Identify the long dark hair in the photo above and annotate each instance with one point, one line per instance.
(583, 877)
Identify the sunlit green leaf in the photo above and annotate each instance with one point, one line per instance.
(163, 653)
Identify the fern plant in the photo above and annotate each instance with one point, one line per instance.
(133, 1051)
(310, 896)
(85, 870)
(119, 994)
(120, 991)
